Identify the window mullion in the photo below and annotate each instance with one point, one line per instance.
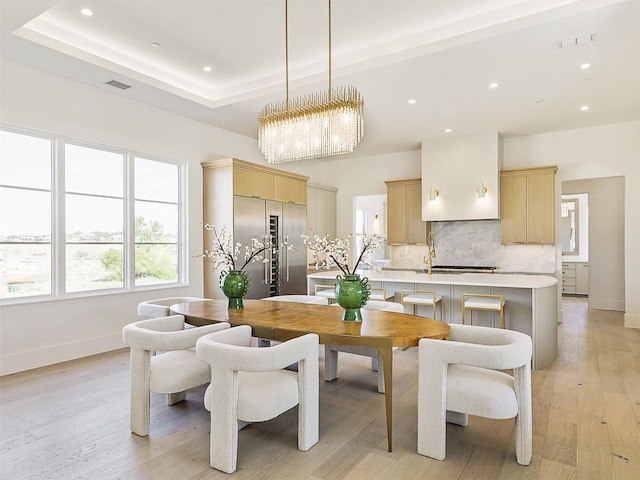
(58, 247)
(130, 221)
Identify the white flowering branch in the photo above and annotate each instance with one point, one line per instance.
(227, 254)
(336, 252)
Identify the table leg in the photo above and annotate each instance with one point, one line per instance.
(386, 352)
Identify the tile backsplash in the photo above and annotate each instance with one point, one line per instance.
(476, 243)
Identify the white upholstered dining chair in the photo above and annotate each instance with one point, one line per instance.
(464, 376)
(250, 384)
(312, 299)
(331, 351)
(160, 307)
(172, 372)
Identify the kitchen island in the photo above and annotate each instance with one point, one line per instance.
(531, 301)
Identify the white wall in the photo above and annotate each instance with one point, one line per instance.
(594, 152)
(36, 334)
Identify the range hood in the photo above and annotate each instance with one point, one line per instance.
(461, 178)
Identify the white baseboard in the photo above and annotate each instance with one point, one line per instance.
(631, 321)
(606, 304)
(19, 362)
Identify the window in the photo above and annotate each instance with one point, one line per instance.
(156, 222)
(94, 219)
(25, 215)
(115, 225)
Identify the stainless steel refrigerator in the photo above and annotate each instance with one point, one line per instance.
(285, 271)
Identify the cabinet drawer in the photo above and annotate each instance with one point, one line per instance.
(568, 289)
(568, 281)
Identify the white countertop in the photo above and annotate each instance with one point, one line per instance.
(479, 279)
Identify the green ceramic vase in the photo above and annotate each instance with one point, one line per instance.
(352, 293)
(235, 285)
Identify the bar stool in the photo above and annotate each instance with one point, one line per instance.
(428, 298)
(483, 301)
(380, 294)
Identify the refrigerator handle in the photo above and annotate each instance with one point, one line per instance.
(286, 255)
(270, 260)
(267, 263)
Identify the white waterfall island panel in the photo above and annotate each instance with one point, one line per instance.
(531, 301)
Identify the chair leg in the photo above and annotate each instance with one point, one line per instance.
(432, 415)
(140, 406)
(223, 441)
(173, 398)
(524, 419)
(308, 405)
(330, 364)
(457, 418)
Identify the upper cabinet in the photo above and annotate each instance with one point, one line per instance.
(404, 213)
(321, 210)
(465, 173)
(528, 205)
(253, 180)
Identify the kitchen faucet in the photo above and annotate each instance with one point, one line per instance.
(431, 243)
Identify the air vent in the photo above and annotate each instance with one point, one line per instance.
(117, 84)
(580, 40)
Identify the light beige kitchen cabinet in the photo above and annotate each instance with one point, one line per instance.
(575, 278)
(253, 180)
(321, 210)
(568, 278)
(527, 205)
(404, 213)
(582, 278)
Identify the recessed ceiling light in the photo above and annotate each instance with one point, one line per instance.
(584, 66)
(412, 101)
(494, 85)
(155, 44)
(447, 130)
(86, 12)
(207, 68)
(584, 108)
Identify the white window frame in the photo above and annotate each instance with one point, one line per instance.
(58, 240)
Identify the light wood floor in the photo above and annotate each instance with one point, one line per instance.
(70, 421)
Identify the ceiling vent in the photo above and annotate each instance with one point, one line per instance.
(117, 84)
(580, 40)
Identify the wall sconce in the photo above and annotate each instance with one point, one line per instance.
(433, 194)
(482, 190)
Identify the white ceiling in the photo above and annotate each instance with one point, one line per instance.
(442, 53)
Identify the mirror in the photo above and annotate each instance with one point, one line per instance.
(570, 235)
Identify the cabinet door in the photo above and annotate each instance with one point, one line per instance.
(540, 208)
(312, 217)
(582, 278)
(290, 190)
(253, 183)
(416, 228)
(396, 214)
(330, 213)
(513, 208)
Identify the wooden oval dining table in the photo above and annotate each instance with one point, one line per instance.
(282, 321)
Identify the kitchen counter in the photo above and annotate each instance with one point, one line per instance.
(530, 300)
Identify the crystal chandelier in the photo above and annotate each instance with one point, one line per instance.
(317, 125)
